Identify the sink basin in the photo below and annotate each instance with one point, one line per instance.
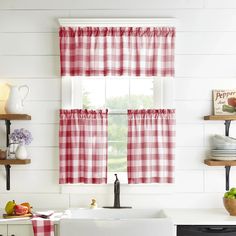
(116, 222)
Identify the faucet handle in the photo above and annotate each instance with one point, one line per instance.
(116, 177)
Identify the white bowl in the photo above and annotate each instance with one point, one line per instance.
(223, 142)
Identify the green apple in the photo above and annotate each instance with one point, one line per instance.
(226, 195)
(230, 196)
(233, 191)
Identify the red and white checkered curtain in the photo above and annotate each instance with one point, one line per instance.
(83, 146)
(151, 135)
(117, 51)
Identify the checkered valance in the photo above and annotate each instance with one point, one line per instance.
(117, 51)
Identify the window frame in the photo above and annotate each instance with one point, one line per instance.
(72, 98)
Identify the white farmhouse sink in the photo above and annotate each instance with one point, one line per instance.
(116, 222)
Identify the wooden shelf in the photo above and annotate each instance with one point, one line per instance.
(15, 162)
(227, 164)
(210, 162)
(219, 117)
(8, 162)
(226, 118)
(15, 117)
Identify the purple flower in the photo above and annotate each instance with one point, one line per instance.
(21, 136)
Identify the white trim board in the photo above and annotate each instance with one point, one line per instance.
(123, 22)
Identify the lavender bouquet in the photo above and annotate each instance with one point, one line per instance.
(21, 136)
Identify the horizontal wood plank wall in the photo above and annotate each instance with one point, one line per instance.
(205, 60)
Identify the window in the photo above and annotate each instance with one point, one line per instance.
(127, 49)
(117, 94)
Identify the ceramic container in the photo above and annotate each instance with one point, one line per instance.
(21, 152)
(15, 101)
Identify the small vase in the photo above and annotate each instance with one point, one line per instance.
(21, 152)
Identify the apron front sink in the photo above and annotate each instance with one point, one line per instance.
(116, 222)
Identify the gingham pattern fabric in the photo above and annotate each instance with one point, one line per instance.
(150, 151)
(117, 51)
(83, 146)
(42, 227)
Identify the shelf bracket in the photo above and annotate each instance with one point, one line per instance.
(227, 172)
(8, 130)
(8, 167)
(227, 168)
(227, 125)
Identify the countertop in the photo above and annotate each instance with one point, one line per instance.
(27, 220)
(178, 216)
(200, 216)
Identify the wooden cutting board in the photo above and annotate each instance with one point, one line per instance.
(6, 216)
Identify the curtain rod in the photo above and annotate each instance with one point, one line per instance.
(125, 113)
(117, 113)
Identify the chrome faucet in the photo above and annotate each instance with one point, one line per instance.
(116, 193)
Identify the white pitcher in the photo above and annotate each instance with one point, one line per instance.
(15, 101)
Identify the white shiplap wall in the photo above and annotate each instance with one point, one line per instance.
(205, 60)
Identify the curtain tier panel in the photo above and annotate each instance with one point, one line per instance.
(151, 141)
(83, 146)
